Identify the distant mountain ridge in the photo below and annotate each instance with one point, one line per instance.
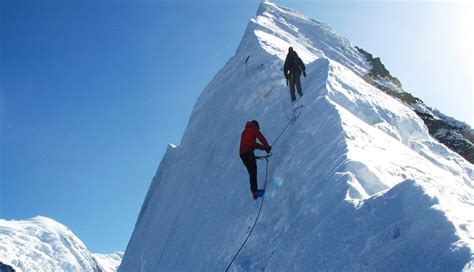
(42, 244)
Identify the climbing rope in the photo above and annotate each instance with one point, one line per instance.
(292, 121)
(258, 214)
(283, 131)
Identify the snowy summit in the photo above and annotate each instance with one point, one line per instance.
(42, 244)
(356, 183)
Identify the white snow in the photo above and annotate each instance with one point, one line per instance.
(356, 184)
(172, 145)
(42, 244)
(109, 262)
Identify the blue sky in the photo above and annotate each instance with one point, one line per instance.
(91, 93)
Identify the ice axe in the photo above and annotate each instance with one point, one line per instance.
(263, 156)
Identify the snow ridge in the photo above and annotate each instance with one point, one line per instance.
(42, 244)
(357, 183)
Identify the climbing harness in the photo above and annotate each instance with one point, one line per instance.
(259, 210)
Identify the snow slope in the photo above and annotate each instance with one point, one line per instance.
(356, 184)
(42, 244)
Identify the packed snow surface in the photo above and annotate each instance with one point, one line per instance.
(42, 244)
(355, 184)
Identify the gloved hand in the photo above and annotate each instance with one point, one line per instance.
(268, 149)
(304, 73)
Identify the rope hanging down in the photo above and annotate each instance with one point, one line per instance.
(258, 214)
(292, 120)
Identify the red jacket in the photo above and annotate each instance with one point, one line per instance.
(248, 139)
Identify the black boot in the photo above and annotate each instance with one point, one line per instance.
(255, 195)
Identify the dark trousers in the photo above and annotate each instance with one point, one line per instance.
(250, 163)
(295, 80)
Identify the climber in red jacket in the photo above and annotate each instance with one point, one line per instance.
(248, 143)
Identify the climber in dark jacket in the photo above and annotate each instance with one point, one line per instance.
(248, 143)
(292, 70)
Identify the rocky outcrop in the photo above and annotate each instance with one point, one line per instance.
(454, 134)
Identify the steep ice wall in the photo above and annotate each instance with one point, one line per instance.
(356, 183)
